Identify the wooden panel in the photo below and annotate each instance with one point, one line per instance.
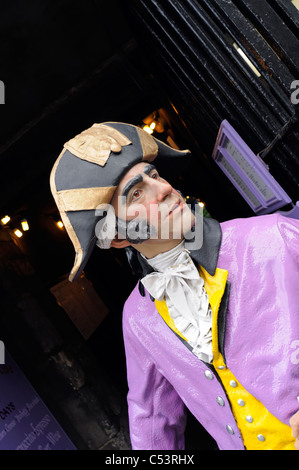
(82, 304)
(192, 47)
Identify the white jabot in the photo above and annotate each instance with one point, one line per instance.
(176, 279)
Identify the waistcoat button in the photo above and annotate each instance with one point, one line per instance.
(230, 429)
(233, 383)
(249, 419)
(241, 402)
(208, 374)
(261, 437)
(220, 401)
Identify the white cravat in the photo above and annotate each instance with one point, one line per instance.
(177, 280)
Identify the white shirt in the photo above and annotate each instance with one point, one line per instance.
(176, 279)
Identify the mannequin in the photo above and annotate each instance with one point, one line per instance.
(212, 326)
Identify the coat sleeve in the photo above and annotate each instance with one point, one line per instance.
(156, 412)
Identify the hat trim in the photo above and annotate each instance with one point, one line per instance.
(67, 224)
(149, 146)
(77, 246)
(81, 199)
(176, 151)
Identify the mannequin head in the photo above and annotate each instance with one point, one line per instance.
(99, 165)
(151, 215)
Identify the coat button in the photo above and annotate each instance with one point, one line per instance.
(261, 437)
(208, 374)
(220, 401)
(230, 429)
(249, 419)
(241, 402)
(233, 383)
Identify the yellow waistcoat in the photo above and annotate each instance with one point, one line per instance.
(259, 428)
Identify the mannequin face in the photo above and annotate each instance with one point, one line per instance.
(148, 200)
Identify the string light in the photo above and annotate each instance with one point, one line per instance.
(5, 220)
(59, 224)
(25, 225)
(18, 233)
(148, 129)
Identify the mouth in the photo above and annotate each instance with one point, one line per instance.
(177, 205)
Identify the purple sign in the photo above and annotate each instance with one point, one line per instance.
(25, 421)
(248, 173)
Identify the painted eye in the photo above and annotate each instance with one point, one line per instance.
(155, 175)
(136, 194)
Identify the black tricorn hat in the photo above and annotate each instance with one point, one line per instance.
(88, 171)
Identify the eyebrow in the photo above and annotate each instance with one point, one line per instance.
(136, 179)
(148, 168)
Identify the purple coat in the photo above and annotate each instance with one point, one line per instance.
(261, 255)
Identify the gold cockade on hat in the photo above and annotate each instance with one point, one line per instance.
(96, 143)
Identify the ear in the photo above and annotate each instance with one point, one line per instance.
(119, 243)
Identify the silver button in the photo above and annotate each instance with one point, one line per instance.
(230, 429)
(241, 402)
(249, 419)
(222, 367)
(208, 374)
(233, 383)
(220, 401)
(261, 437)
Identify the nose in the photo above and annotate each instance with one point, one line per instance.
(163, 189)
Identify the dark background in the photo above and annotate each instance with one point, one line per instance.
(68, 64)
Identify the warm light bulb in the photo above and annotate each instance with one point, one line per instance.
(25, 225)
(5, 220)
(152, 125)
(59, 224)
(148, 129)
(18, 233)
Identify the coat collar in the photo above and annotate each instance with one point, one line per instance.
(207, 256)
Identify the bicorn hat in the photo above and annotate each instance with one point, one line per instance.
(88, 171)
